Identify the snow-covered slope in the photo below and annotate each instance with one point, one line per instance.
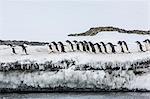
(77, 70)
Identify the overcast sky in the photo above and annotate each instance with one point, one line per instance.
(46, 20)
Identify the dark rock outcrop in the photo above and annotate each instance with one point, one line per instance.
(96, 30)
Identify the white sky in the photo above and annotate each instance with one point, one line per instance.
(46, 20)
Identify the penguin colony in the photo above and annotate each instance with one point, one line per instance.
(89, 47)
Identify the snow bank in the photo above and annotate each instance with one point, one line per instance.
(76, 70)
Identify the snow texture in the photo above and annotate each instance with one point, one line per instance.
(77, 70)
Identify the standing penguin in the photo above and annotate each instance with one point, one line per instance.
(126, 46)
(140, 46)
(104, 47)
(82, 46)
(24, 49)
(70, 47)
(147, 44)
(77, 47)
(13, 48)
(86, 46)
(62, 48)
(50, 48)
(112, 46)
(98, 48)
(54, 47)
(121, 46)
(92, 47)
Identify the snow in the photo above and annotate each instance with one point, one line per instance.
(72, 78)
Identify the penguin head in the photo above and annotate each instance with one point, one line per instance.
(81, 42)
(137, 42)
(147, 40)
(75, 41)
(120, 42)
(96, 44)
(102, 43)
(85, 41)
(90, 42)
(53, 42)
(109, 43)
(68, 41)
(60, 43)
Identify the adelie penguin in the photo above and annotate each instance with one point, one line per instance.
(50, 48)
(62, 48)
(82, 46)
(103, 46)
(77, 47)
(54, 47)
(140, 46)
(147, 44)
(86, 46)
(92, 47)
(70, 46)
(24, 49)
(98, 48)
(13, 48)
(112, 47)
(123, 46)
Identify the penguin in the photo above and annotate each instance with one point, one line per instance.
(50, 48)
(13, 48)
(83, 46)
(121, 45)
(86, 46)
(112, 46)
(54, 47)
(104, 47)
(76, 45)
(140, 46)
(147, 44)
(70, 47)
(98, 48)
(126, 46)
(62, 48)
(92, 47)
(24, 49)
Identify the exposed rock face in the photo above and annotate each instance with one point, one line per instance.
(94, 31)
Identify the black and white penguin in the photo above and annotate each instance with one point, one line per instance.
(86, 46)
(104, 49)
(13, 48)
(50, 48)
(126, 46)
(121, 46)
(83, 47)
(92, 47)
(70, 46)
(98, 48)
(77, 47)
(147, 44)
(62, 48)
(54, 47)
(112, 47)
(140, 46)
(24, 49)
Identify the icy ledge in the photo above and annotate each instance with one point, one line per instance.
(71, 75)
